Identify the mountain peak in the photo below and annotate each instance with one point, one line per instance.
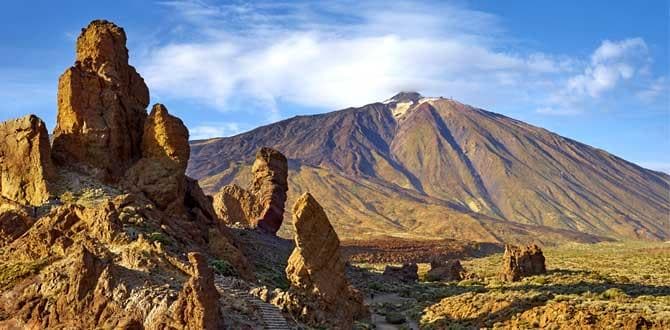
(406, 96)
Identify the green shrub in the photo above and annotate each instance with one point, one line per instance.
(10, 273)
(223, 268)
(395, 318)
(613, 294)
(159, 237)
(469, 283)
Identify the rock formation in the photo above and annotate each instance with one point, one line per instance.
(235, 205)
(160, 173)
(316, 269)
(197, 304)
(110, 252)
(13, 223)
(102, 104)
(165, 138)
(262, 204)
(25, 161)
(270, 185)
(519, 262)
(405, 273)
(447, 271)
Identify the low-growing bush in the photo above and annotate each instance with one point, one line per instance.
(223, 268)
(613, 294)
(159, 237)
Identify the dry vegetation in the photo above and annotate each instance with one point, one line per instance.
(605, 285)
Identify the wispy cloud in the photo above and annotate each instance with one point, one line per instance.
(612, 64)
(340, 55)
(348, 53)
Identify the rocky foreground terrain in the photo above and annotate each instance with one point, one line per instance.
(101, 228)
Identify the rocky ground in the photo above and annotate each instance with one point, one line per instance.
(592, 286)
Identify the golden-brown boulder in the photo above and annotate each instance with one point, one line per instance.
(197, 306)
(165, 138)
(235, 205)
(160, 173)
(25, 161)
(262, 204)
(102, 104)
(316, 268)
(519, 262)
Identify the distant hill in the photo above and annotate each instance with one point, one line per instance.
(435, 168)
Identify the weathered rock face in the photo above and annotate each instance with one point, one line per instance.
(270, 185)
(197, 306)
(13, 223)
(160, 173)
(316, 268)
(405, 273)
(102, 104)
(234, 204)
(262, 204)
(519, 262)
(447, 271)
(165, 138)
(25, 161)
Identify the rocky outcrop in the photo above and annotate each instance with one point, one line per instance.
(102, 104)
(165, 138)
(235, 205)
(404, 273)
(519, 262)
(447, 271)
(316, 269)
(26, 170)
(197, 306)
(110, 253)
(13, 223)
(262, 204)
(270, 184)
(160, 173)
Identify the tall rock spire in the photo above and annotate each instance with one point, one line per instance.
(102, 104)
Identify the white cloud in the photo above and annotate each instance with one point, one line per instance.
(318, 61)
(349, 53)
(611, 65)
(211, 130)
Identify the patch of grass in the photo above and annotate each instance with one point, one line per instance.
(223, 268)
(271, 276)
(10, 273)
(613, 294)
(470, 283)
(159, 237)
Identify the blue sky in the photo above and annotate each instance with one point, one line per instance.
(594, 71)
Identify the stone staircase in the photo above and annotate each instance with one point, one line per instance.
(273, 319)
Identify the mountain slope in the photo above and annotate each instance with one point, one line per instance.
(435, 167)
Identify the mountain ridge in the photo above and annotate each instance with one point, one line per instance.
(442, 152)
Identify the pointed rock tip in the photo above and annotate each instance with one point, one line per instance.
(102, 41)
(304, 202)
